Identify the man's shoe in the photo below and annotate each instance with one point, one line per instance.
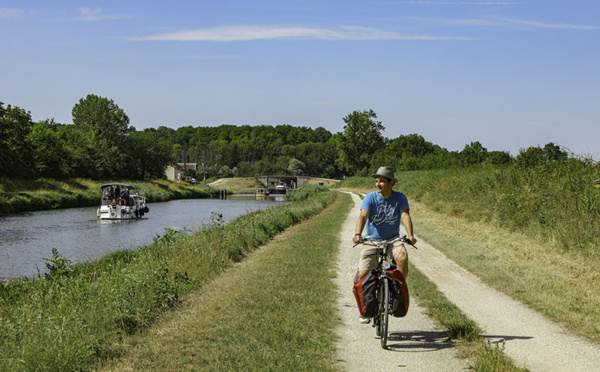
(363, 320)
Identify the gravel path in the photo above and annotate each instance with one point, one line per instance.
(530, 340)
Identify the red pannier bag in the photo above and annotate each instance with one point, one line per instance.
(399, 294)
(364, 292)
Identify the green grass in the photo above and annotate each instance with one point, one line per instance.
(491, 358)
(79, 315)
(276, 311)
(557, 202)
(239, 185)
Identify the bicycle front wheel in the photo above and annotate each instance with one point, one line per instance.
(384, 310)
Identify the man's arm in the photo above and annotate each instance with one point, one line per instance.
(360, 225)
(407, 222)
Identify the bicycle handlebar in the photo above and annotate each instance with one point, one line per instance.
(401, 238)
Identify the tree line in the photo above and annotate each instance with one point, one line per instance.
(100, 144)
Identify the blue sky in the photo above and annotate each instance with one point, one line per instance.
(509, 74)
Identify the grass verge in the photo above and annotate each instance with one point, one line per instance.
(274, 311)
(559, 285)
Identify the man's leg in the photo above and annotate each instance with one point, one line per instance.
(401, 257)
(368, 260)
(362, 274)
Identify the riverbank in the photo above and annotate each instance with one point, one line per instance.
(46, 194)
(79, 315)
(274, 311)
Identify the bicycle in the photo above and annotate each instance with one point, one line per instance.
(383, 280)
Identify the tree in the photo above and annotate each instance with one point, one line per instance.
(225, 172)
(411, 145)
(474, 153)
(50, 153)
(15, 149)
(104, 127)
(282, 164)
(149, 154)
(499, 157)
(533, 156)
(245, 169)
(361, 138)
(296, 167)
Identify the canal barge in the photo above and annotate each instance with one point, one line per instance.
(121, 201)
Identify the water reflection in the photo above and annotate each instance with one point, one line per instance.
(278, 198)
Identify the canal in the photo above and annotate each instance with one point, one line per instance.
(27, 239)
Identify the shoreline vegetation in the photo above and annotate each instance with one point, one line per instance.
(18, 196)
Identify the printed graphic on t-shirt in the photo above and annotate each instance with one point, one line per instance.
(385, 214)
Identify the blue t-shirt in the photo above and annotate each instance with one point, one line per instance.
(384, 214)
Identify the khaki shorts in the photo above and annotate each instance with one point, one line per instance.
(369, 254)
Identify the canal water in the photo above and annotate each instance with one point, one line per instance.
(27, 239)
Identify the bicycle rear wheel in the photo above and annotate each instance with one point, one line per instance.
(384, 310)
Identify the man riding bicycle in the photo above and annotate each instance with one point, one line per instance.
(382, 211)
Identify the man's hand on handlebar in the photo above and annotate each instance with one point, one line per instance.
(357, 238)
(413, 240)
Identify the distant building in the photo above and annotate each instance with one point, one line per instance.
(174, 172)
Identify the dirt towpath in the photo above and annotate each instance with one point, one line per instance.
(529, 339)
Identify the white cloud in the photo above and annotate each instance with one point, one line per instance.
(246, 33)
(458, 21)
(88, 14)
(498, 21)
(536, 24)
(10, 13)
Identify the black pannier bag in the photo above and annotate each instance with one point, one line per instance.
(399, 294)
(364, 292)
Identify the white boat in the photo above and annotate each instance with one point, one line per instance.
(280, 188)
(121, 202)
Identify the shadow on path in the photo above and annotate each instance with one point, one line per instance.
(499, 339)
(426, 341)
(419, 341)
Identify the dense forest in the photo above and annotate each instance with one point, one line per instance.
(100, 144)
